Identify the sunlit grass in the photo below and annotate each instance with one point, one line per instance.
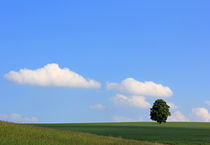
(19, 134)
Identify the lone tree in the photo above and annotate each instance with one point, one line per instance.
(160, 111)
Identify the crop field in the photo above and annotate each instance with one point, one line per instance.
(179, 133)
(20, 134)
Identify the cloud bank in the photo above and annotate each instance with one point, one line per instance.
(177, 116)
(125, 119)
(172, 106)
(135, 87)
(17, 118)
(51, 75)
(201, 114)
(134, 101)
(122, 119)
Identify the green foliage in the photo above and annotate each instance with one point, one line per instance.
(173, 133)
(159, 111)
(18, 134)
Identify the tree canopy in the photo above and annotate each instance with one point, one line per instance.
(160, 111)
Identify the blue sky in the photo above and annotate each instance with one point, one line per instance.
(166, 42)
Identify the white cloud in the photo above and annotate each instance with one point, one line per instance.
(177, 116)
(97, 107)
(172, 106)
(51, 75)
(201, 114)
(135, 87)
(207, 102)
(17, 118)
(135, 101)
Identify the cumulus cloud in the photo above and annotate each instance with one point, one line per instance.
(135, 101)
(207, 102)
(172, 106)
(201, 114)
(51, 75)
(17, 118)
(135, 87)
(97, 107)
(177, 116)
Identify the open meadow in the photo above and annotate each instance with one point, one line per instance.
(20, 134)
(179, 133)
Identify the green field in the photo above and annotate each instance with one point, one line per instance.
(20, 134)
(185, 133)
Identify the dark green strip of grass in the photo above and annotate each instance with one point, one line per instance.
(173, 133)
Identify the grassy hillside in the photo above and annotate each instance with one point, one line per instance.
(173, 133)
(18, 134)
